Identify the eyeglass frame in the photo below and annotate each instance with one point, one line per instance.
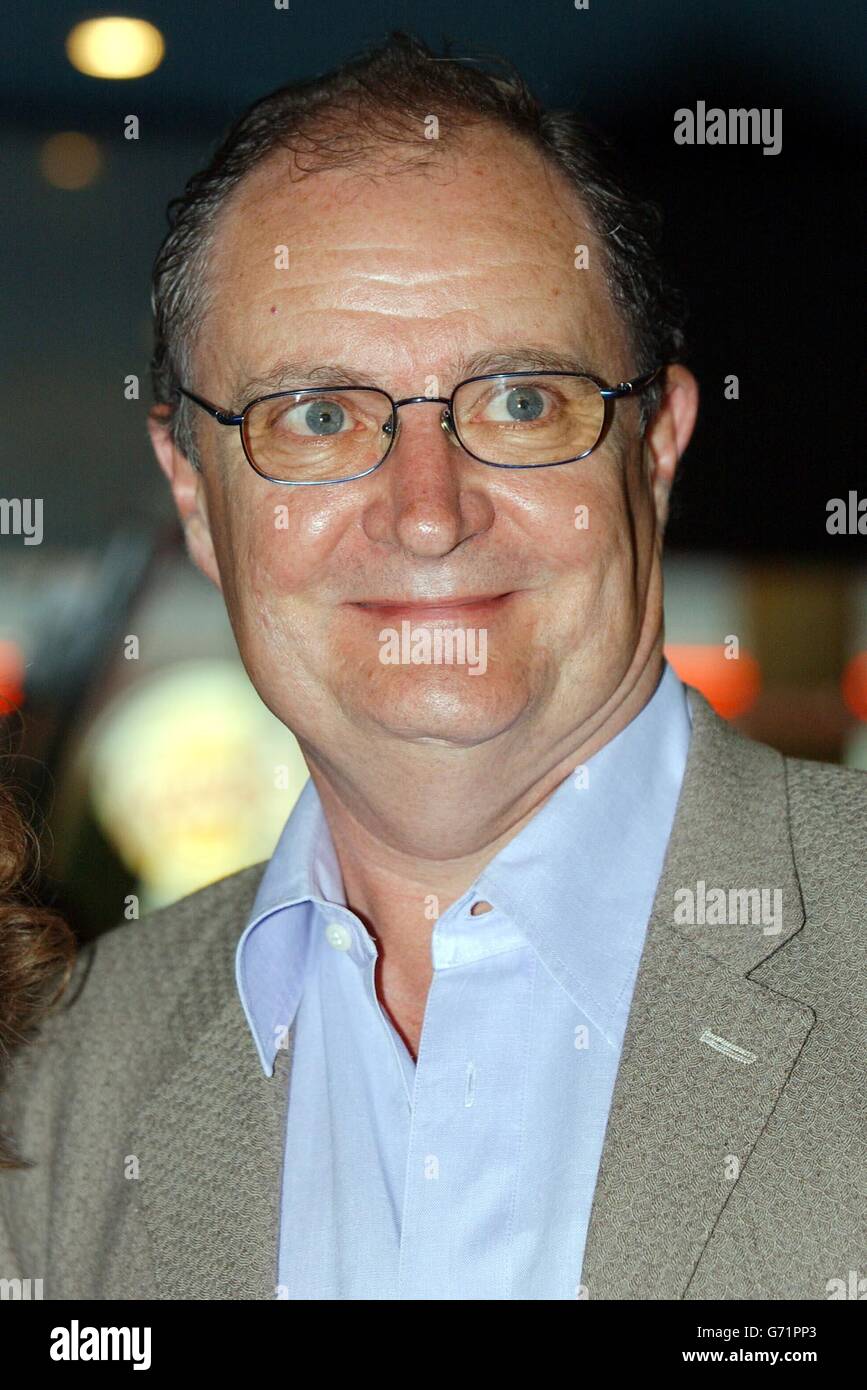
(447, 419)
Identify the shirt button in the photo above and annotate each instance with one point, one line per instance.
(338, 936)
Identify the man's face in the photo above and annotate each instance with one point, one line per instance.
(404, 279)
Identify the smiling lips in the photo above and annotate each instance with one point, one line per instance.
(470, 605)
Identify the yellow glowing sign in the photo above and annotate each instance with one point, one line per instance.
(191, 777)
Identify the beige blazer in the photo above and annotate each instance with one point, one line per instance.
(734, 1158)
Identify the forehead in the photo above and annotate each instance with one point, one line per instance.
(405, 269)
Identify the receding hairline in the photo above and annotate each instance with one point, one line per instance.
(390, 163)
(392, 89)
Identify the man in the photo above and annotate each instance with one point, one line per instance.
(473, 1032)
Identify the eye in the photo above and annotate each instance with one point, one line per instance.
(315, 419)
(515, 404)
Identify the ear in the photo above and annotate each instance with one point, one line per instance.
(188, 490)
(669, 432)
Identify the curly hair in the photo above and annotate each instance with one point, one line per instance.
(37, 948)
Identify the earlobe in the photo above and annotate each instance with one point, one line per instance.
(669, 433)
(188, 492)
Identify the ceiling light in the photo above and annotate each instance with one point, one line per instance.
(115, 47)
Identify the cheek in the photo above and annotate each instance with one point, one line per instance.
(287, 574)
(588, 538)
(580, 525)
(281, 547)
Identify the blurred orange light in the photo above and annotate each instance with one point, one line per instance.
(730, 684)
(70, 160)
(11, 677)
(853, 684)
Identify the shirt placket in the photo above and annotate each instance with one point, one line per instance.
(466, 1128)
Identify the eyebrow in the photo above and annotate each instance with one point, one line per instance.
(301, 372)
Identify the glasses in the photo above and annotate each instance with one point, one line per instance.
(335, 434)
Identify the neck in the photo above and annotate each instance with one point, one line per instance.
(407, 855)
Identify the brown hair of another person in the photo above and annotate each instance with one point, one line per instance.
(37, 948)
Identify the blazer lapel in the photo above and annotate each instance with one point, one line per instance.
(688, 1109)
(211, 1146)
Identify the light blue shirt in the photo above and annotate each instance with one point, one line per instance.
(470, 1173)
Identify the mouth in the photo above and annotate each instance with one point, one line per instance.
(460, 609)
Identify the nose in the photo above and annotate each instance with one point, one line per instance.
(425, 501)
(445, 417)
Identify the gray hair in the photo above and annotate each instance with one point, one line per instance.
(380, 99)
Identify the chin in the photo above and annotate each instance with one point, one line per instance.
(449, 707)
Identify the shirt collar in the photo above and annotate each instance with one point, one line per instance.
(577, 881)
(580, 877)
(271, 957)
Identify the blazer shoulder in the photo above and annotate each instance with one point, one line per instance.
(828, 813)
(138, 971)
(211, 918)
(828, 827)
(135, 995)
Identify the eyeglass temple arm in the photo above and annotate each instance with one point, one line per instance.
(223, 417)
(629, 388)
(626, 388)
